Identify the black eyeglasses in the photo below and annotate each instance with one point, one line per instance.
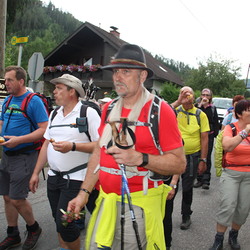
(205, 94)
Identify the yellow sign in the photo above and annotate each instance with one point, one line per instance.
(18, 40)
(13, 40)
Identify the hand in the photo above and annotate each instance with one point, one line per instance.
(185, 97)
(202, 167)
(247, 128)
(129, 157)
(171, 194)
(78, 203)
(34, 181)
(62, 146)
(11, 142)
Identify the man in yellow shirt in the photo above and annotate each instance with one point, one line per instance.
(194, 126)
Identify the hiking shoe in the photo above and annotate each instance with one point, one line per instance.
(31, 239)
(232, 240)
(186, 222)
(197, 184)
(218, 243)
(205, 186)
(10, 242)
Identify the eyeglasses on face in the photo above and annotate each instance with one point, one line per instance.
(205, 94)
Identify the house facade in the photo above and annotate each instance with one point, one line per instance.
(84, 52)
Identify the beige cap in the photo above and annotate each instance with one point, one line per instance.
(70, 81)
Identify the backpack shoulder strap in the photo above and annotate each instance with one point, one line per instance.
(54, 113)
(213, 109)
(233, 129)
(83, 110)
(197, 114)
(110, 107)
(83, 113)
(154, 116)
(25, 103)
(7, 102)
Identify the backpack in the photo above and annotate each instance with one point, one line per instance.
(153, 124)
(219, 155)
(197, 113)
(82, 122)
(93, 105)
(23, 109)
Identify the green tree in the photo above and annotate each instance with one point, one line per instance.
(222, 77)
(46, 27)
(169, 92)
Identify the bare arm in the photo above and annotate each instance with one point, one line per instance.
(204, 148)
(91, 178)
(41, 161)
(230, 143)
(31, 137)
(66, 146)
(182, 96)
(170, 163)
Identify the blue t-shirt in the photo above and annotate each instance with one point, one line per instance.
(16, 124)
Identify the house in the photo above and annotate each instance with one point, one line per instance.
(90, 47)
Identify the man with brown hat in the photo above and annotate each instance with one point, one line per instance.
(133, 156)
(70, 138)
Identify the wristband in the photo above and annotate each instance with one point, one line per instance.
(173, 186)
(85, 190)
(203, 159)
(73, 147)
(243, 134)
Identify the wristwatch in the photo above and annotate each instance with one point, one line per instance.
(203, 159)
(173, 186)
(144, 160)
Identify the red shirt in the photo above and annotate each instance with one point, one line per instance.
(169, 137)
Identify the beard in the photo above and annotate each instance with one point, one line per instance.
(119, 88)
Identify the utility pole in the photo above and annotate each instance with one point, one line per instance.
(3, 14)
(247, 75)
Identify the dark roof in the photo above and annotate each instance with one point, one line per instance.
(92, 32)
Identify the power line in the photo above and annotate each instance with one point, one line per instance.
(193, 15)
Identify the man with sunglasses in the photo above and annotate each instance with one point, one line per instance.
(209, 109)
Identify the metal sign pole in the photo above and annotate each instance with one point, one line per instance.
(20, 55)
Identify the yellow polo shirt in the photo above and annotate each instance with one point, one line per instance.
(190, 130)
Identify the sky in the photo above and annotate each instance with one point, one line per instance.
(188, 31)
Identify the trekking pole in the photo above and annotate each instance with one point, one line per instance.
(44, 178)
(132, 213)
(125, 189)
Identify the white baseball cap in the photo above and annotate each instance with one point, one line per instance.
(105, 99)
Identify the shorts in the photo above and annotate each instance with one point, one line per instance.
(15, 174)
(59, 195)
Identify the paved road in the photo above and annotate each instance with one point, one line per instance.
(199, 236)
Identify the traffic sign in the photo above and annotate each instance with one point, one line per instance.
(19, 40)
(35, 66)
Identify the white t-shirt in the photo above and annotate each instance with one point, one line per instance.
(66, 161)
